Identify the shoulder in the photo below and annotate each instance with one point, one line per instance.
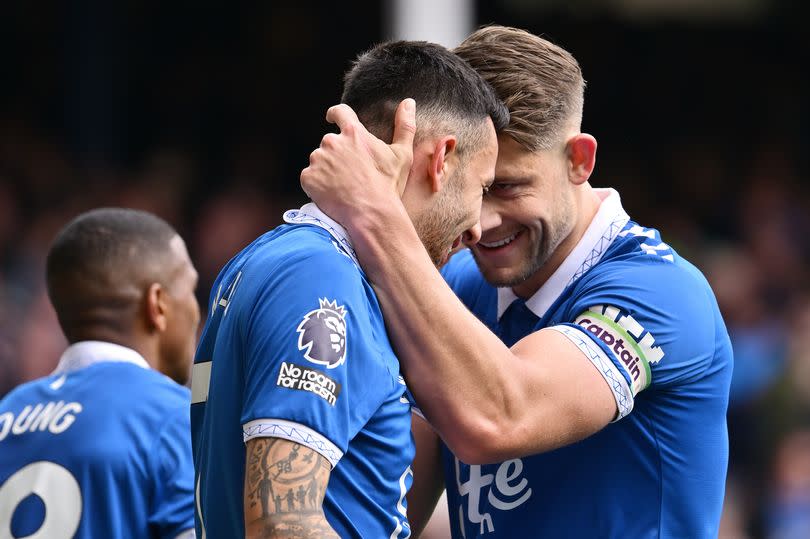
(663, 304)
(157, 393)
(22, 391)
(289, 263)
(170, 392)
(643, 266)
(297, 250)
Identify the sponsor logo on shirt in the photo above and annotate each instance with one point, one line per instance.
(632, 345)
(301, 378)
(503, 490)
(322, 334)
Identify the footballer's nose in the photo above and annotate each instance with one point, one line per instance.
(473, 234)
(490, 217)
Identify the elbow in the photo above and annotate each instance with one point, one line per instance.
(483, 442)
(489, 430)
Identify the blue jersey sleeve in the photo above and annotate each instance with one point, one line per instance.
(313, 369)
(653, 320)
(172, 511)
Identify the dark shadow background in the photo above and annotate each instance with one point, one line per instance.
(205, 113)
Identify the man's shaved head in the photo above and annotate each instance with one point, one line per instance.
(100, 264)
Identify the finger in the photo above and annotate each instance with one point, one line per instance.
(405, 124)
(342, 115)
(305, 180)
(329, 140)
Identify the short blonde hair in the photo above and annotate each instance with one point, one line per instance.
(539, 82)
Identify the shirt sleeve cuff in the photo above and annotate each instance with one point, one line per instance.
(294, 432)
(600, 360)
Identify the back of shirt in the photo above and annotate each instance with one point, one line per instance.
(102, 451)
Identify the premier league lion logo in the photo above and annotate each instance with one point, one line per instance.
(322, 334)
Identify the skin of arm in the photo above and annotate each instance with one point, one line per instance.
(427, 484)
(285, 485)
(488, 402)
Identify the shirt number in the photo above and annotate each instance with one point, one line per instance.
(59, 492)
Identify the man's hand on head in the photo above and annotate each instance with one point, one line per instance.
(353, 172)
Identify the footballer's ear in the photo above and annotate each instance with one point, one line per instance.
(156, 308)
(581, 152)
(441, 161)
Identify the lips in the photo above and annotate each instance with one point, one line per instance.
(499, 243)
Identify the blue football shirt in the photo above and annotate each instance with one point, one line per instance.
(98, 449)
(295, 347)
(649, 323)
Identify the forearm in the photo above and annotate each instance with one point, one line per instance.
(290, 526)
(463, 376)
(285, 484)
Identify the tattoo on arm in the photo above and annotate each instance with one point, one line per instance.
(284, 488)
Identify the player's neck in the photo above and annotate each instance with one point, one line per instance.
(111, 335)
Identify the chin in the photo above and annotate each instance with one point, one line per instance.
(501, 279)
(502, 276)
(183, 380)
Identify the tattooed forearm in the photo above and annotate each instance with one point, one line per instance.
(291, 526)
(284, 488)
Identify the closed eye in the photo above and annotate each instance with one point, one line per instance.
(499, 188)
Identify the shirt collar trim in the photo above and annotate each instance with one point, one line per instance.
(311, 214)
(85, 353)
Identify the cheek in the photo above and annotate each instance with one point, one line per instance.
(470, 211)
(196, 312)
(190, 320)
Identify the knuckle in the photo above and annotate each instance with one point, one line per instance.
(328, 140)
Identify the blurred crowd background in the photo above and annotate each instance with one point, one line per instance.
(205, 113)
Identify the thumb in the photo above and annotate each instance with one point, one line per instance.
(342, 115)
(405, 124)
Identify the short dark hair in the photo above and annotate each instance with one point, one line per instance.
(450, 96)
(99, 262)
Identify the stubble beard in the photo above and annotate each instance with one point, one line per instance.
(529, 265)
(432, 228)
(435, 225)
(540, 251)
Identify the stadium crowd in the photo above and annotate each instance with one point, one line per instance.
(718, 171)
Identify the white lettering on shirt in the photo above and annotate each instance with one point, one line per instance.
(55, 417)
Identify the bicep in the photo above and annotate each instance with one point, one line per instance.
(572, 396)
(285, 484)
(427, 475)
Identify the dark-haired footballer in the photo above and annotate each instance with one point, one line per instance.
(300, 419)
(100, 448)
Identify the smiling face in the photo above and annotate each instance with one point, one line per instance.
(527, 214)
